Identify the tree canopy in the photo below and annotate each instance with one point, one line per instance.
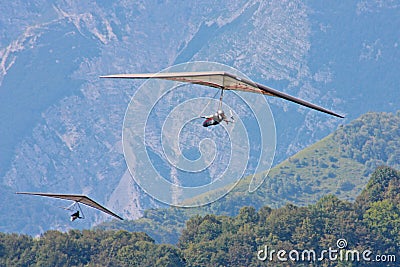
(372, 223)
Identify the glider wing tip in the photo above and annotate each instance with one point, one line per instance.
(116, 216)
(110, 76)
(22, 193)
(340, 116)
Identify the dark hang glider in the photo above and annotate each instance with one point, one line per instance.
(224, 81)
(77, 199)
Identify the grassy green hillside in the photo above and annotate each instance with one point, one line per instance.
(340, 164)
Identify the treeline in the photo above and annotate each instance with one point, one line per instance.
(373, 140)
(371, 224)
(87, 248)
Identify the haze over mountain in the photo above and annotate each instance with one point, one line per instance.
(368, 228)
(60, 125)
(340, 164)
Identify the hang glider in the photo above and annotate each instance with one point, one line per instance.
(77, 199)
(224, 81)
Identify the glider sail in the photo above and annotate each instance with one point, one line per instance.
(76, 198)
(222, 80)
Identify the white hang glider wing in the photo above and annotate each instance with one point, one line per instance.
(76, 198)
(221, 80)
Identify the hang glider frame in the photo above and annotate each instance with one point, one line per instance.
(222, 80)
(77, 199)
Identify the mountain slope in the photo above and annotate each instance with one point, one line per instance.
(60, 126)
(340, 164)
(359, 233)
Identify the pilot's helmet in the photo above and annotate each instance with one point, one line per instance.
(220, 112)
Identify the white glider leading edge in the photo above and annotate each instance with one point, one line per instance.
(77, 199)
(224, 81)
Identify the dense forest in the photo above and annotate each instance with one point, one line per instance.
(331, 232)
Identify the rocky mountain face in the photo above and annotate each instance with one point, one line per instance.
(60, 125)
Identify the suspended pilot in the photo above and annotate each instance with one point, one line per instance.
(215, 119)
(75, 216)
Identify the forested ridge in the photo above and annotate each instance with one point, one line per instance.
(371, 222)
(340, 165)
(335, 189)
